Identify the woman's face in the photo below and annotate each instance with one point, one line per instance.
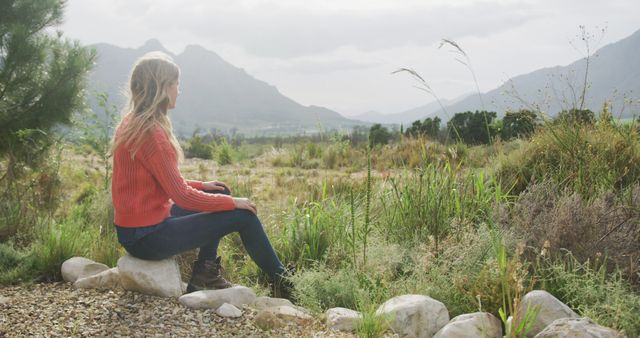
(173, 92)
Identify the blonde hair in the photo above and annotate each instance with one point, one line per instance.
(148, 102)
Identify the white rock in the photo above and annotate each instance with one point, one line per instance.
(577, 328)
(264, 302)
(75, 268)
(550, 309)
(213, 299)
(289, 314)
(4, 300)
(229, 311)
(158, 278)
(108, 279)
(414, 315)
(472, 325)
(342, 319)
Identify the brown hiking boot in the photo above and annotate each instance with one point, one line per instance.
(207, 275)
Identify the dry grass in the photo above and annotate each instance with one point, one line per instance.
(562, 220)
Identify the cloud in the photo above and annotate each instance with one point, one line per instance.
(284, 30)
(324, 67)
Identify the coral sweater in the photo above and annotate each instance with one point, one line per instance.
(143, 187)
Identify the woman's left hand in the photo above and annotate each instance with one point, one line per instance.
(215, 185)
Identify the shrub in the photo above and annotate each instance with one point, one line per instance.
(224, 153)
(586, 158)
(602, 225)
(315, 291)
(196, 147)
(593, 292)
(378, 135)
(15, 264)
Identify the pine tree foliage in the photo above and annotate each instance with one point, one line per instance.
(41, 78)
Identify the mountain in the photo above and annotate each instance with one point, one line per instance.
(613, 76)
(405, 117)
(215, 95)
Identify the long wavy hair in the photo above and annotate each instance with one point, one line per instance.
(148, 103)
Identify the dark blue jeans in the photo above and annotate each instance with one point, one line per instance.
(186, 230)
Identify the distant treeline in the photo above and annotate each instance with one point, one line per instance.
(471, 128)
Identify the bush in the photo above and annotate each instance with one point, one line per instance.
(586, 158)
(224, 153)
(378, 135)
(315, 291)
(196, 147)
(547, 216)
(15, 264)
(593, 292)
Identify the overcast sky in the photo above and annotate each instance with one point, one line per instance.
(340, 53)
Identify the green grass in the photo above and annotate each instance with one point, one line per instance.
(586, 158)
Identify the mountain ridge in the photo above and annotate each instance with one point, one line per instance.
(613, 77)
(215, 95)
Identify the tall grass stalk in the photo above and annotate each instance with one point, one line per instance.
(351, 234)
(366, 227)
(466, 61)
(371, 325)
(512, 276)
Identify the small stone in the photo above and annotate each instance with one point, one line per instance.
(4, 300)
(266, 321)
(229, 311)
(264, 302)
(290, 314)
(75, 268)
(213, 299)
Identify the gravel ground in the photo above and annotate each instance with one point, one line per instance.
(59, 310)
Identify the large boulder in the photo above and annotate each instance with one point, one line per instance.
(414, 315)
(472, 325)
(157, 278)
(213, 299)
(342, 319)
(75, 268)
(108, 279)
(577, 328)
(549, 307)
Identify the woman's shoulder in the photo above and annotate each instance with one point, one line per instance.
(157, 138)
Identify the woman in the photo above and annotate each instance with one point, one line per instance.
(158, 213)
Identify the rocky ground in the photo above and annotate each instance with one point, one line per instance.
(58, 309)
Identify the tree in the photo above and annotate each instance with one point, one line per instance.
(96, 131)
(578, 116)
(521, 123)
(428, 127)
(41, 79)
(378, 135)
(473, 128)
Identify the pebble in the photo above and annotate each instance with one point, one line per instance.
(58, 309)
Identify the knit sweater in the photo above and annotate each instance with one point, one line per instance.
(144, 187)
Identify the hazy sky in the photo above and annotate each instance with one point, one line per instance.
(340, 53)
